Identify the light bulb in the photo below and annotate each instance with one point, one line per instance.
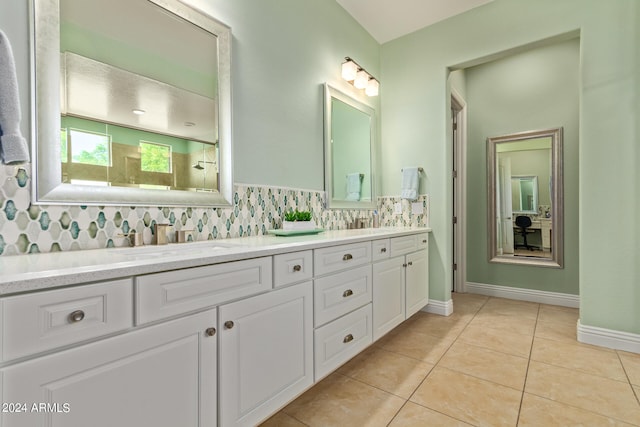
(349, 70)
(373, 87)
(361, 79)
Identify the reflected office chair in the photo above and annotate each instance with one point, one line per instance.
(523, 223)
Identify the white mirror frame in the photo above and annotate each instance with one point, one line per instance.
(329, 93)
(48, 187)
(557, 200)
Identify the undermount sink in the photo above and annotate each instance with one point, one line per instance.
(174, 249)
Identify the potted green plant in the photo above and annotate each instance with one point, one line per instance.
(297, 220)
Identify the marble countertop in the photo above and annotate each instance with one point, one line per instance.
(24, 273)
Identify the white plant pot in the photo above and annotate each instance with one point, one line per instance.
(298, 225)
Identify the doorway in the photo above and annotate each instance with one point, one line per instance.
(459, 238)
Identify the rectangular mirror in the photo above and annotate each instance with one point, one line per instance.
(525, 198)
(132, 104)
(349, 150)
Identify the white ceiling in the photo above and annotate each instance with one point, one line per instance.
(386, 20)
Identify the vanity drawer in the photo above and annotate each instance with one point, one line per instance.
(336, 258)
(172, 293)
(422, 240)
(380, 249)
(403, 245)
(338, 294)
(292, 268)
(340, 340)
(45, 320)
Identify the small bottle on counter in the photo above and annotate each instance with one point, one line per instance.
(376, 220)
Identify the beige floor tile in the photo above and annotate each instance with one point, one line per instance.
(510, 323)
(498, 340)
(391, 372)
(557, 331)
(412, 415)
(410, 343)
(614, 399)
(537, 411)
(282, 420)
(467, 303)
(338, 398)
(486, 364)
(440, 326)
(554, 313)
(631, 363)
(578, 356)
(511, 308)
(469, 399)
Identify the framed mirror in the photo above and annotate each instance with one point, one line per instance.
(132, 104)
(349, 151)
(525, 198)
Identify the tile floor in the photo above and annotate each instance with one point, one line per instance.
(494, 362)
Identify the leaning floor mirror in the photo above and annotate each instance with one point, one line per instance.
(525, 198)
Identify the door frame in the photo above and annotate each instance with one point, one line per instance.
(459, 173)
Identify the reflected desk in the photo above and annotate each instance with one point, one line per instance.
(545, 227)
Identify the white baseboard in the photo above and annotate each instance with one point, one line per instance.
(609, 338)
(542, 297)
(443, 308)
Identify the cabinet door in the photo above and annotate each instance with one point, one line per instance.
(417, 281)
(164, 375)
(266, 353)
(388, 295)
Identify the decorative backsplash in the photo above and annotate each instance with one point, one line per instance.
(26, 228)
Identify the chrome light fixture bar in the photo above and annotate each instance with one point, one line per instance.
(359, 77)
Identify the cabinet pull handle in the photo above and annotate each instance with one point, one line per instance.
(347, 293)
(347, 257)
(210, 332)
(410, 263)
(297, 267)
(383, 250)
(404, 265)
(348, 338)
(228, 324)
(76, 316)
(424, 241)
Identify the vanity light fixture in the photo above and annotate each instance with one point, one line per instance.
(359, 77)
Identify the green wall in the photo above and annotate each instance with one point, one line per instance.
(415, 105)
(533, 90)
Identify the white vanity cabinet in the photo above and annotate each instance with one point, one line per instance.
(400, 280)
(342, 304)
(266, 353)
(160, 376)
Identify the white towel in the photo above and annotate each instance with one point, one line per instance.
(354, 187)
(410, 183)
(13, 146)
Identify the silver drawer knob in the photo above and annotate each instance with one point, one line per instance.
(76, 316)
(347, 293)
(348, 338)
(210, 332)
(297, 267)
(383, 250)
(410, 263)
(347, 257)
(424, 241)
(228, 324)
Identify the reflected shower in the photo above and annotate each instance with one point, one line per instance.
(199, 164)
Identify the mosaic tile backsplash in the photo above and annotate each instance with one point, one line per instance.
(27, 228)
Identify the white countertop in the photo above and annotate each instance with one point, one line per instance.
(24, 273)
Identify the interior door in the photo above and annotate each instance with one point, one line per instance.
(504, 208)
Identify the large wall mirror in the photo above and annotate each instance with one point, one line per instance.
(132, 104)
(349, 151)
(526, 198)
